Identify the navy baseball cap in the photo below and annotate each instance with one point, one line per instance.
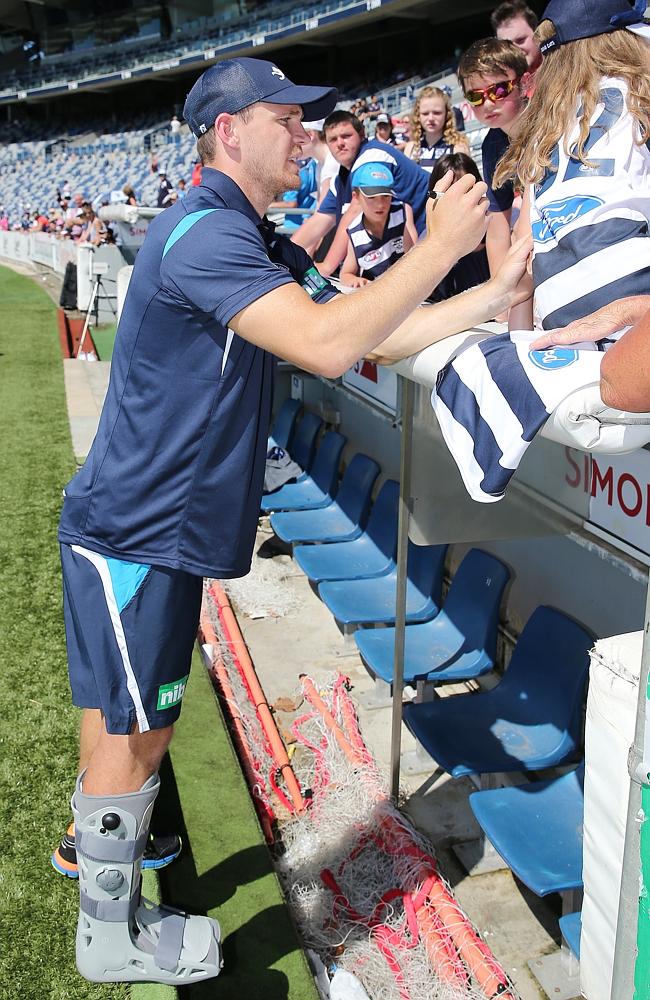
(373, 179)
(234, 84)
(575, 19)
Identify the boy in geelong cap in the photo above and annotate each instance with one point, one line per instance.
(383, 230)
(171, 490)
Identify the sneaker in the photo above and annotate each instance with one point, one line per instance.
(159, 852)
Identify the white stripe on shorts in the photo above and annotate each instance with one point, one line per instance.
(99, 562)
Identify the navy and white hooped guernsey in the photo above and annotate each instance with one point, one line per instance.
(493, 398)
(174, 476)
(375, 254)
(429, 155)
(590, 223)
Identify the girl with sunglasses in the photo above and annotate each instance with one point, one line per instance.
(433, 128)
(582, 159)
(491, 72)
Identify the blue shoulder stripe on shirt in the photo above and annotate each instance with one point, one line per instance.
(184, 226)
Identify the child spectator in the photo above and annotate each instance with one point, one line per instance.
(383, 230)
(490, 73)
(581, 153)
(384, 129)
(472, 269)
(433, 129)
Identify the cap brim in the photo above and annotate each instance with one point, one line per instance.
(641, 29)
(316, 102)
(374, 192)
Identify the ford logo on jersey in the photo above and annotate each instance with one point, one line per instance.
(553, 358)
(560, 213)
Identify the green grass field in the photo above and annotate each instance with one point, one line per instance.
(225, 869)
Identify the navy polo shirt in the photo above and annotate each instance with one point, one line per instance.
(411, 181)
(174, 476)
(494, 145)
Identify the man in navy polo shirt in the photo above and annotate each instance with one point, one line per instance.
(345, 136)
(170, 491)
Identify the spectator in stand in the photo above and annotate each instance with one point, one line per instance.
(345, 137)
(383, 230)
(326, 165)
(491, 73)
(196, 173)
(181, 189)
(175, 125)
(384, 129)
(129, 194)
(306, 196)
(4, 222)
(433, 129)
(515, 22)
(472, 269)
(401, 130)
(362, 109)
(39, 222)
(373, 108)
(93, 230)
(165, 189)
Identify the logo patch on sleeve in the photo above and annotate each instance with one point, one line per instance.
(313, 281)
(170, 694)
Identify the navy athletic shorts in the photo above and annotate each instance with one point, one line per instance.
(130, 631)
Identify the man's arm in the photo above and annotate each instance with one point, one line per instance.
(328, 338)
(410, 232)
(432, 323)
(625, 370)
(312, 231)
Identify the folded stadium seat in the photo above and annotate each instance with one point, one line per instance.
(313, 489)
(357, 602)
(571, 928)
(537, 830)
(370, 554)
(284, 423)
(531, 720)
(460, 642)
(343, 519)
(303, 444)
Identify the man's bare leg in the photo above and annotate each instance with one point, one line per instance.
(121, 764)
(89, 730)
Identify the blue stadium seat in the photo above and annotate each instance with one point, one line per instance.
(531, 720)
(571, 929)
(371, 554)
(460, 642)
(355, 602)
(343, 519)
(311, 490)
(303, 445)
(284, 423)
(537, 830)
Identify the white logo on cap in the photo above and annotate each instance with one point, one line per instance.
(278, 72)
(202, 128)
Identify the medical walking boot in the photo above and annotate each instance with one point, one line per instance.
(122, 937)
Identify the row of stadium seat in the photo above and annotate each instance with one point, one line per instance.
(530, 721)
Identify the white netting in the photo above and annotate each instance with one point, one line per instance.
(362, 882)
(263, 593)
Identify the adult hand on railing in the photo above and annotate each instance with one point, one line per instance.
(605, 321)
(457, 216)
